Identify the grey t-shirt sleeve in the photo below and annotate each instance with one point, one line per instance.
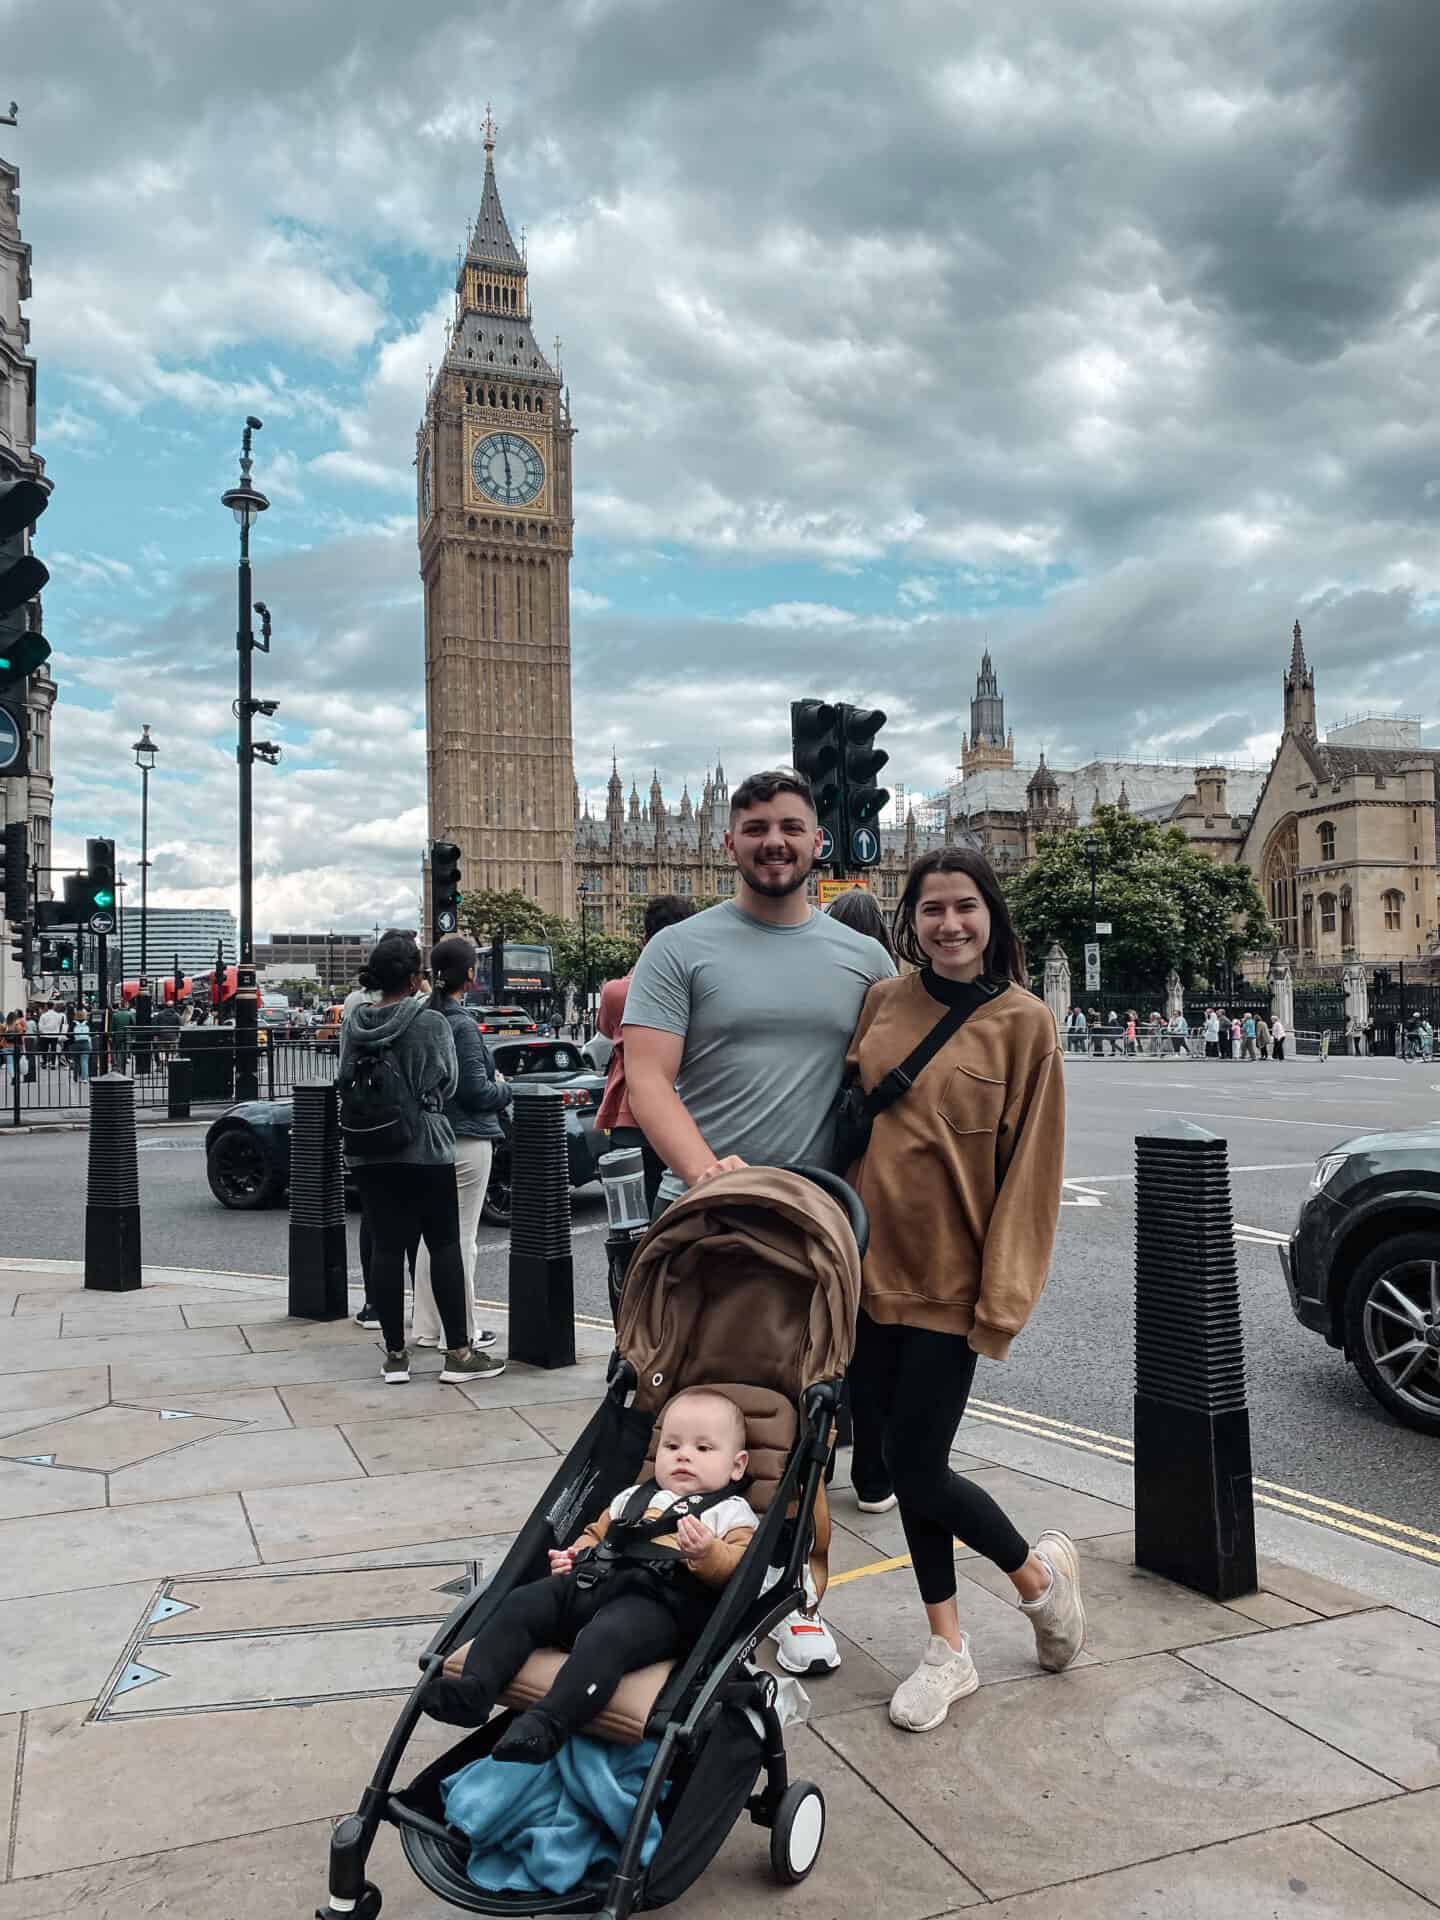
(659, 993)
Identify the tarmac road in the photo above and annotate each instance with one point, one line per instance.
(1314, 1428)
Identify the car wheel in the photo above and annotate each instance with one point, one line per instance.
(241, 1173)
(1392, 1327)
(496, 1210)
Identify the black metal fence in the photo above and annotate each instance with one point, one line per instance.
(47, 1077)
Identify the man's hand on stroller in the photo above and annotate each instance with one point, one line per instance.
(562, 1560)
(730, 1164)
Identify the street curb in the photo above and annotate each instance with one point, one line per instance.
(83, 1126)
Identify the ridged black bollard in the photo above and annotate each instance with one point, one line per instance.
(1194, 1500)
(318, 1258)
(542, 1272)
(180, 1075)
(112, 1194)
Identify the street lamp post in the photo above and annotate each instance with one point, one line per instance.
(584, 891)
(247, 503)
(146, 752)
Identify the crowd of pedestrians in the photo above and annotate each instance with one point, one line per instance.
(1248, 1036)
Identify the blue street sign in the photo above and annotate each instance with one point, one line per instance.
(10, 741)
(864, 846)
(827, 846)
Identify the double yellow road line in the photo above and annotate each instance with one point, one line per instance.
(1356, 1521)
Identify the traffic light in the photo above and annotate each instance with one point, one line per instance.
(815, 752)
(21, 578)
(15, 872)
(179, 978)
(48, 960)
(65, 956)
(100, 885)
(22, 949)
(860, 761)
(444, 887)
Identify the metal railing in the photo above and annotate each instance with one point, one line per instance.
(47, 1077)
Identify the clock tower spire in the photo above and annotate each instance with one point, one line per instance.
(495, 534)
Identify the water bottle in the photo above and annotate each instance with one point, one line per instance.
(622, 1175)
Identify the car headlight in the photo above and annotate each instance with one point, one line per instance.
(1326, 1169)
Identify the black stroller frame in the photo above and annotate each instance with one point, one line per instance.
(712, 1677)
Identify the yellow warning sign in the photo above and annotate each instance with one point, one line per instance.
(832, 889)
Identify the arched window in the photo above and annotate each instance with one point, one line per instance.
(1327, 913)
(1278, 871)
(1307, 923)
(1347, 919)
(1394, 903)
(1327, 839)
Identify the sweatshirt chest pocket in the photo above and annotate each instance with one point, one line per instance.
(970, 1103)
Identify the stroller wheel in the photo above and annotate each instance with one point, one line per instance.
(367, 1907)
(797, 1832)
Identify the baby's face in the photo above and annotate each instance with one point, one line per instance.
(697, 1452)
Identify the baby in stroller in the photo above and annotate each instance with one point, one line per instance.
(636, 1586)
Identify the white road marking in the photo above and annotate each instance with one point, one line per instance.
(1273, 1166)
(1260, 1119)
(1076, 1196)
(1261, 1236)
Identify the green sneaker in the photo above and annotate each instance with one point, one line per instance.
(397, 1366)
(464, 1363)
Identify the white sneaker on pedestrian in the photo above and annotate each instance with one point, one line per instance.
(1058, 1617)
(396, 1366)
(804, 1644)
(886, 1505)
(943, 1676)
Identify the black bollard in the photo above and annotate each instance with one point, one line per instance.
(180, 1074)
(112, 1196)
(1194, 1500)
(542, 1273)
(318, 1258)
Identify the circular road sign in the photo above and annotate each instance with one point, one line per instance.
(102, 923)
(864, 846)
(10, 741)
(445, 920)
(827, 846)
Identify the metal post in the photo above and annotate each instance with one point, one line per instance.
(102, 1051)
(144, 859)
(181, 1074)
(318, 1264)
(1194, 1500)
(542, 1271)
(247, 1076)
(112, 1198)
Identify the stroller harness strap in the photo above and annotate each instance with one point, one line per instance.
(633, 1541)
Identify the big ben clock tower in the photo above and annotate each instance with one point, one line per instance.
(495, 529)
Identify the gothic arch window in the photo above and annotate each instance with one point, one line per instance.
(1326, 831)
(514, 359)
(1394, 904)
(539, 403)
(1327, 913)
(1347, 919)
(471, 523)
(1278, 874)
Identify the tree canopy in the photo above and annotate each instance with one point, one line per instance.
(1170, 905)
(609, 955)
(488, 911)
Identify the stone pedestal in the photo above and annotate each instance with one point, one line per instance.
(1057, 984)
(1357, 1004)
(1282, 993)
(1174, 994)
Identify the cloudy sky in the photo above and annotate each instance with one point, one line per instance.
(1105, 329)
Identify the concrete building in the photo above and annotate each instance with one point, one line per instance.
(331, 958)
(190, 932)
(29, 797)
(1343, 835)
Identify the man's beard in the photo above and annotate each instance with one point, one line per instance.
(779, 885)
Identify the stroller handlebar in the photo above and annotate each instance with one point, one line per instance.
(841, 1192)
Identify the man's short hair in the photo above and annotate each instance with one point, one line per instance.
(763, 787)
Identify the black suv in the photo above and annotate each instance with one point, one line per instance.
(1363, 1265)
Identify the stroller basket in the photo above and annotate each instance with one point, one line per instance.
(758, 1257)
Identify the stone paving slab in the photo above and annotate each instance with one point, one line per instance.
(1309, 1590)
(147, 1785)
(1401, 1837)
(468, 1439)
(40, 1489)
(54, 1651)
(340, 1402)
(1038, 1782)
(236, 1462)
(282, 1334)
(119, 1349)
(561, 1422)
(255, 1407)
(262, 1669)
(208, 1310)
(1269, 1610)
(309, 1600)
(67, 1387)
(167, 1379)
(102, 1323)
(525, 1386)
(1368, 1683)
(1295, 1874)
(487, 1548)
(57, 1553)
(360, 1515)
(110, 1437)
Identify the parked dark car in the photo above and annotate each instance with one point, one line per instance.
(1363, 1266)
(247, 1150)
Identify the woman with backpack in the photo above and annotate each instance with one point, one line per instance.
(397, 1070)
(473, 1111)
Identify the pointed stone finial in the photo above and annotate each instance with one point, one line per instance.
(490, 129)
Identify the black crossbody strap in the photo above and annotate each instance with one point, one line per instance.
(900, 1079)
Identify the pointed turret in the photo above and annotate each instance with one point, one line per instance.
(634, 805)
(911, 836)
(490, 242)
(1299, 689)
(614, 793)
(1122, 805)
(687, 809)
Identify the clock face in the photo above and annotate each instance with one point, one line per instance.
(425, 485)
(508, 469)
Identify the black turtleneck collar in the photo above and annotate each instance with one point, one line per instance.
(960, 993)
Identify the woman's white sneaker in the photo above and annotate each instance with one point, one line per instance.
(1058, 1617)
(943, 1676)
(805, 1645)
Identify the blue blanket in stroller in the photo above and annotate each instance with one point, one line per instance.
(547, 1828)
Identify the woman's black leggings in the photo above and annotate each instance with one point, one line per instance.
(401, 1200)
(913, 1384)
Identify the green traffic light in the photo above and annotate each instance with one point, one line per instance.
(103, 897)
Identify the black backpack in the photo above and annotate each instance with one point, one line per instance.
(379, 1115)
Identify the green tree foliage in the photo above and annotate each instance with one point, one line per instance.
(1170, 906)
(610, 954)
(487, 911)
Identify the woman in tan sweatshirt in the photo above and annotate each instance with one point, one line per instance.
(961, 1180)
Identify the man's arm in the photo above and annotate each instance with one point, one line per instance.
(652, 1060)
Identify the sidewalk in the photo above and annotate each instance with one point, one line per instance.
(223, 1540)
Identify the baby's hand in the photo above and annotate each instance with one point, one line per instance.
(694, 1536)
(562, 1560)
